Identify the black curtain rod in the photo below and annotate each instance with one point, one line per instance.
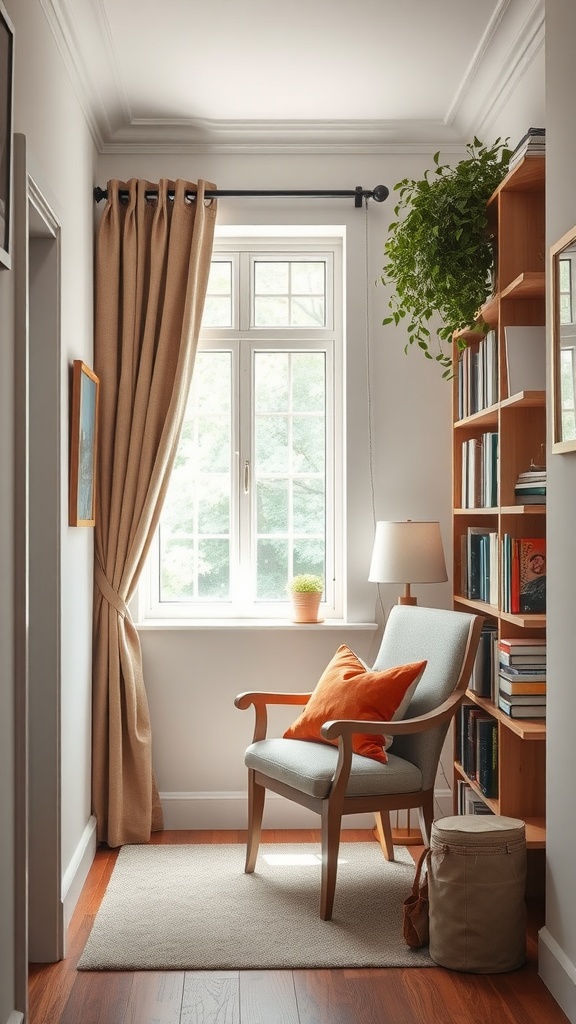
(379, 194)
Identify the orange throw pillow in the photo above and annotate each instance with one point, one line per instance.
(347, 690)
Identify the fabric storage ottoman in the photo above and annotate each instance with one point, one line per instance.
(476, 886)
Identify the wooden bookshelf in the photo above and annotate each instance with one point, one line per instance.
(516, 215)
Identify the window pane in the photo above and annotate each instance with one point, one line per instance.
(308, 507)
(307, 312)
(309, 557)
(218, 302)
(196, 518)
(217, 311)
(308, 444)
(272, 506)
(270, 277)
(289, 468)
(272, 444)
(308, 278)
(291, 294)
(214, 569)
(272, 570)
(271, 382)
(271, 311)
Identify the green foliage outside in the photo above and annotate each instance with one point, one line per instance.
(440, 252)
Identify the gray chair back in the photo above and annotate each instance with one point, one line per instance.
(440, 637)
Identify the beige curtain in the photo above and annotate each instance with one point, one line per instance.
(152, 265)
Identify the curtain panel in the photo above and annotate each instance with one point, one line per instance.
(152, 266)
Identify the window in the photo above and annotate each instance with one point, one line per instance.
(258, 473)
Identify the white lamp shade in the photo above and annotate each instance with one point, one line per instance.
(407, 552)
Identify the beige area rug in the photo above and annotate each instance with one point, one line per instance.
(193, 908)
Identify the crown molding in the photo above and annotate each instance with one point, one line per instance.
(271, 137)
(82, 32)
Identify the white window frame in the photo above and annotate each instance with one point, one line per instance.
(243, 339)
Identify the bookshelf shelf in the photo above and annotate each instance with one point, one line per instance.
(516, 215)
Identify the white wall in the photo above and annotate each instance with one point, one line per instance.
(558, 938)
(47, 112)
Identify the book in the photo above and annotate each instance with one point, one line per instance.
(522, 645)
(487, 756)
(530, 499)
(521, 710)
(525, 358)
(481, 679)
(525, 698)
(521, 660)
(517, 687)
(532, 575)
(520, 675)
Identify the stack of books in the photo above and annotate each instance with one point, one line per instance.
(522, 677)
(530, 488)
(533, 142)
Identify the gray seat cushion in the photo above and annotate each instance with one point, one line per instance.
(309, 767)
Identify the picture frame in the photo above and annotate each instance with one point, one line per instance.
(83, 445)
(563, 348)
(6, 158)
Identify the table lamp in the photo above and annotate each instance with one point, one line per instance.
(407, 552)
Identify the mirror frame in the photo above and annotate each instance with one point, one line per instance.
(559, 443)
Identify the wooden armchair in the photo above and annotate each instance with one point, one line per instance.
(332, 780)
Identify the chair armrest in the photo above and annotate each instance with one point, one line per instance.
(260, 699)
(346, 727)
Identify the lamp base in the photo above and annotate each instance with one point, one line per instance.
(407, 600)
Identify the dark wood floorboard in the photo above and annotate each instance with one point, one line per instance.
(59, 994)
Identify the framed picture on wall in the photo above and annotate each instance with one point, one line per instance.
(83, 445)
(6, 89)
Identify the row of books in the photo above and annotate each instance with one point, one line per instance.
(478, 376)
(511, 672)
(480, 471)
(478, 733)
(522, 677)
(523, 575)
(516, 582)
(468, 800)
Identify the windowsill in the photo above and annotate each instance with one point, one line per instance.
(242, 624)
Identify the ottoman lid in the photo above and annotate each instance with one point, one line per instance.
(467, 823)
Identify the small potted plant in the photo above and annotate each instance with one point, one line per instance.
(306, 590)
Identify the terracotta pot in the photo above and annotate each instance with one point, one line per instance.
(305, 607)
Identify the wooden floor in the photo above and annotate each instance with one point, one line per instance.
(61, 995)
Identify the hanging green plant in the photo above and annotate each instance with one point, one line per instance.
(440, 252)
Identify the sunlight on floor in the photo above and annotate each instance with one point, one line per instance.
(296, 859)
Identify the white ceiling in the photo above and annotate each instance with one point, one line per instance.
(304, 76)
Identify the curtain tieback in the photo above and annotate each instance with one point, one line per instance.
(108, 592)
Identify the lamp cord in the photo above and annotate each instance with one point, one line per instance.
(369, 386)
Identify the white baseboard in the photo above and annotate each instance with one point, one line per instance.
(77, 872)
(557, 972)
(229, 810)
(16, 1017)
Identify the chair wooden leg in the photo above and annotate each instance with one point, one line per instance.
(384, 833)
(331, 827)
(256, 796)
(426, 816)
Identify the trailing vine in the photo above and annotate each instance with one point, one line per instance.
(439, 252)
